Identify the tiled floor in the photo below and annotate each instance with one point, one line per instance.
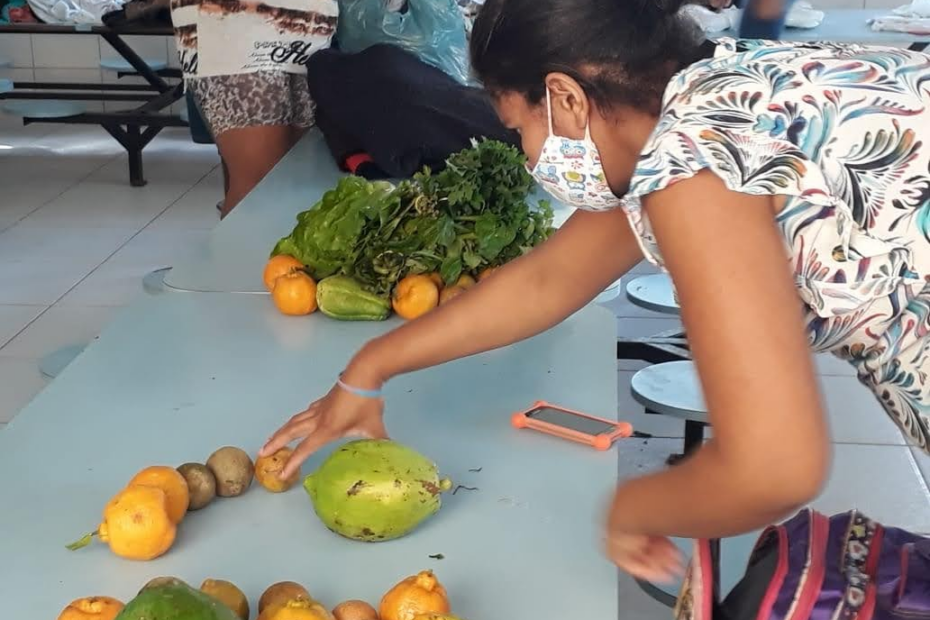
(76, 239)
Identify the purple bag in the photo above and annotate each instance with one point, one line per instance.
(812, 567)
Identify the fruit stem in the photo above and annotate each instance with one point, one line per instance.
(82, 542)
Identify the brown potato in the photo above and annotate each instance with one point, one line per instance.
(233, 470)
(282, 592)
(201, 482)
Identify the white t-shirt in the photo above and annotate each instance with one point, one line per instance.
(230, 37)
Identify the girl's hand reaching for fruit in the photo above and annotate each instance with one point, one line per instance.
(338, 414)
(649, 558)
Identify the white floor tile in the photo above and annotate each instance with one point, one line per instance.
(119, 280)
(856, 415)
(923, 463)
(107, 205)
(882, 481)
(59, 327)
(14, 318)
(21, 381)
(22, 244)
(196, 208)
(39, 281)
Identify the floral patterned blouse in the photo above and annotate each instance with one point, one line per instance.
(843, 133)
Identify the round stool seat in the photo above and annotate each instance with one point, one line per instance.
(671, 389)
(5, 85)
(52, 364)
(653, 292)
(43, 108)
(121, 65)
(153, 283)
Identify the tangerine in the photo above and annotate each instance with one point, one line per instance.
(172, 482)
(92, 608)
(294, 294)
(277, 266)
(414, 296)
(415, 596)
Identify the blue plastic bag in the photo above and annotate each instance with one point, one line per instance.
(433, 30)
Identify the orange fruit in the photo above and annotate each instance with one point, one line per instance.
(355, 610)
(465, 281)
(172, 482)
(136, 523)
(437, 280)
(92, 608)
(450, 293)
(280, 593)
(268, 467)
(228, 594)
(278, 266)
(414, 296)
(297, 609)
(294, 294)
(486, 273)
(414, 596)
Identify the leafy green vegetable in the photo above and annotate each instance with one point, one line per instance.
(472, 215)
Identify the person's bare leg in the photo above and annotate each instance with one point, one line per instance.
(249, 154)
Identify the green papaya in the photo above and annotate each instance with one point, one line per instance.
(374, 490)
(175, 602)
(341, 297)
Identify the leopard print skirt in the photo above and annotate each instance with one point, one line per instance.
(253, 99)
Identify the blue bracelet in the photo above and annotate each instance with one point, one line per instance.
(359, 391)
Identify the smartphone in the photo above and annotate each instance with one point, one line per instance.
(598, 433)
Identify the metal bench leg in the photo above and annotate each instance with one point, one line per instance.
(694, 436)
(133, 148)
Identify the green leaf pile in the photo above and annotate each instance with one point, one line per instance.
(472, 215)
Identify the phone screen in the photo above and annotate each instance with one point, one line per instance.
(570, 421)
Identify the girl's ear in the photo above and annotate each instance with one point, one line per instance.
(570, 106)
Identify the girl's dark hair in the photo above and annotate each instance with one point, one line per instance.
(619, 51)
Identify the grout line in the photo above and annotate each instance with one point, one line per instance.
(76, 183)
(133, 236)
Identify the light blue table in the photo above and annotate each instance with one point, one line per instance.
(214, 370)
(848, 26)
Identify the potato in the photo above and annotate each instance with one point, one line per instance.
(233, 470)
(355, 610)
(201, 482)
(282, 592)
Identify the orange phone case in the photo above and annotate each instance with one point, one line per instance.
(598, 442)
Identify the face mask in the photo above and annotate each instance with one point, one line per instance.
(571, 171)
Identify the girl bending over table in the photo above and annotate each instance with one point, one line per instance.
(785, 188)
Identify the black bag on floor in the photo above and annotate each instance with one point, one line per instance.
(386, 114)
